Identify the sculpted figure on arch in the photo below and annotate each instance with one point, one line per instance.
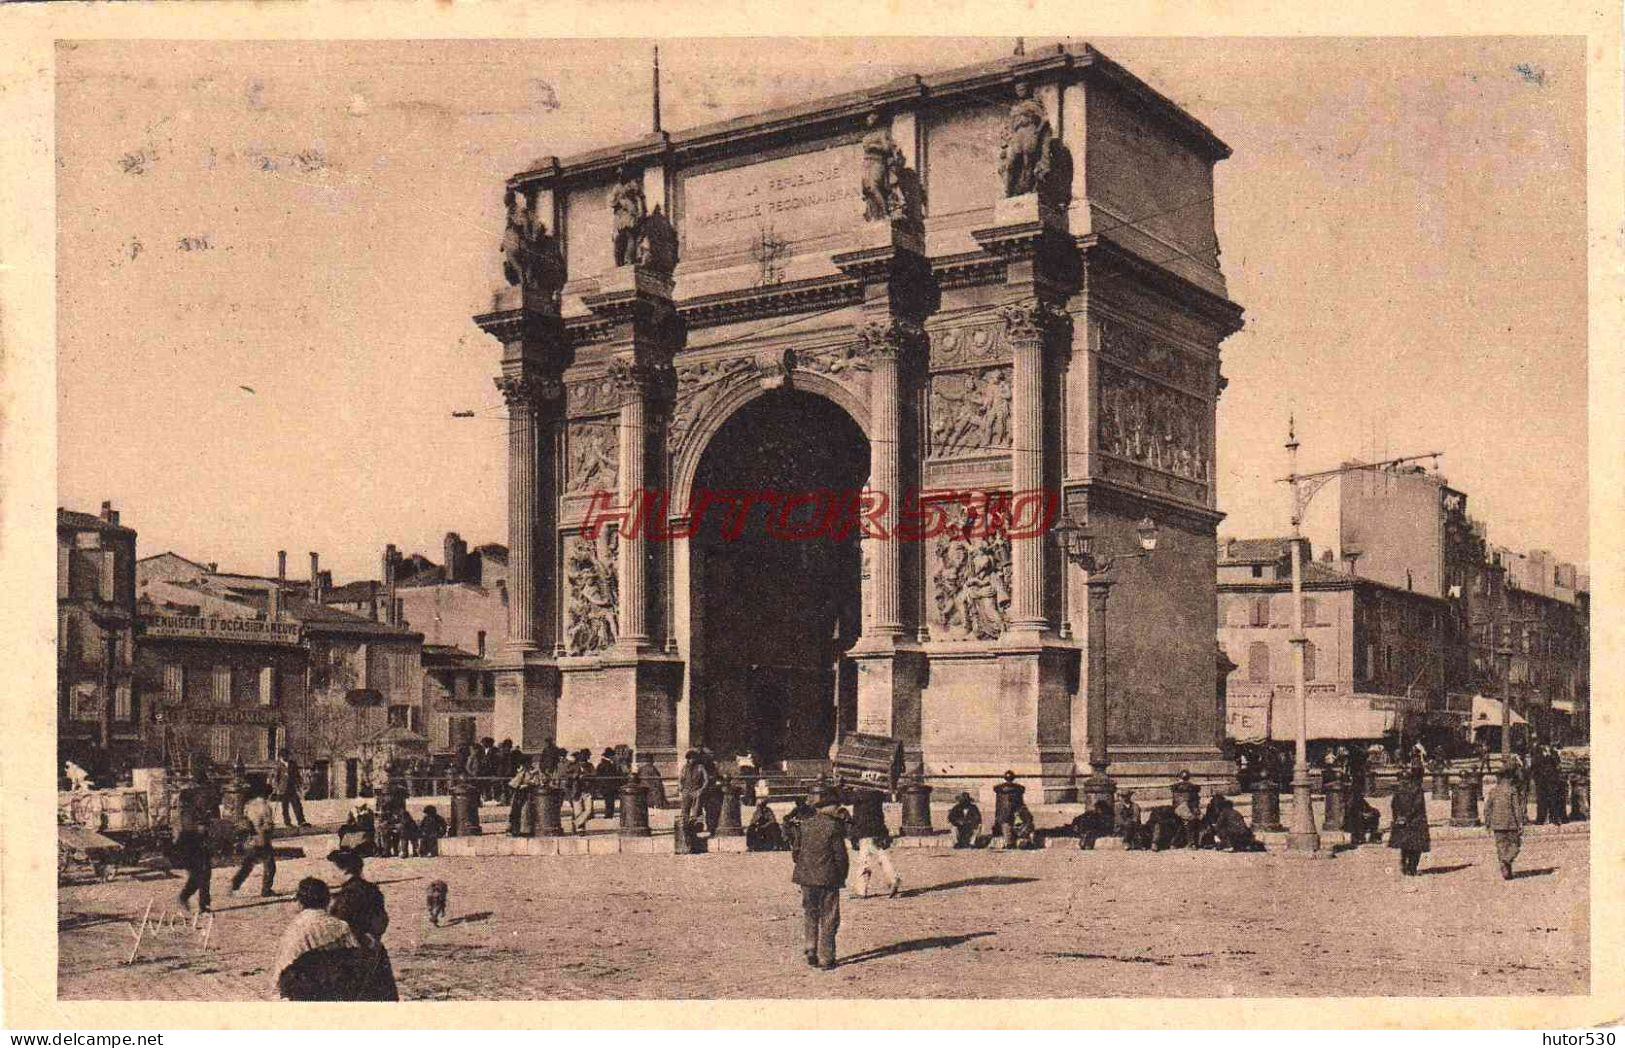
(1024, 160)
(531, 257)
(627, 203)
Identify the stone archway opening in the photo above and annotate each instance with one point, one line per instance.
(775, 599)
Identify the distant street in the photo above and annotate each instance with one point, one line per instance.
(1059, 923)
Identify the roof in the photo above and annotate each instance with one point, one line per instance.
(321, 618)
(172, 555)
(1253, 551)
(448, 655)
(355, 592)
(944, 88)
(493, 551)
(1317, 576)
(68, 518)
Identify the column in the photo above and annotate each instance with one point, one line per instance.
(1026, 326)
(889, 342)
(220, 686)
(632, 544)
(174, 684)
(523, 394)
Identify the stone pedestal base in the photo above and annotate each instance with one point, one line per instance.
(527, 701)
(889, 681)
(612, 702)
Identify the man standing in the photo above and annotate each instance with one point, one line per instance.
(260, 822)
(289, 783)
(820, 870)
(607, 782)
(1503, 817)
(692, 782)
(870, 839)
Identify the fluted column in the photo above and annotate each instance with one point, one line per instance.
(633, 546)
(890, 344)
(527, 397)
(1027, 327)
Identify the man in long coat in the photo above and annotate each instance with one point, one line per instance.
(820, 869)
(1503, 817)
(1409, 829)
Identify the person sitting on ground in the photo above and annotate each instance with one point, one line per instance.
(764, 832)
(1187, 808)
(430, 829)
(966, 819)
(1093, 824)
(1230, 831)
(1126, 820)
(1022, 832)
(318, 957)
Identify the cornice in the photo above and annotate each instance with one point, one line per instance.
(775, 300)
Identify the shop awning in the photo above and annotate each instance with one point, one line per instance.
(1487, 713)
(1254, 714)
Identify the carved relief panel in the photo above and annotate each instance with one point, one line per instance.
(1154, 426)
(592, 453)
(1157, 357)
(592, 593)
(969, 570)
(969, 412)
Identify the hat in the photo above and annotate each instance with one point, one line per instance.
(1184, 776)
(964, 796)
(609, 753)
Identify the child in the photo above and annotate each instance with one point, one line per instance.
(430, 829)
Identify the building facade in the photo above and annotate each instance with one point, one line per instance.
(995, 280)
(241, 666)
(1374, 664)
(1531, 640)
(102, 723)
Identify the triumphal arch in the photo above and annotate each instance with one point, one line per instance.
(944, 295)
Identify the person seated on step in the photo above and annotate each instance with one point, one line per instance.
(764, 832)
(966, 819)
(1093, 824)
(1126, 821)
(1228, 830)
(1022, 832)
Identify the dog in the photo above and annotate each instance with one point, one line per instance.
(439, 896)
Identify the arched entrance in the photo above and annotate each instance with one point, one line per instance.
(773, 614)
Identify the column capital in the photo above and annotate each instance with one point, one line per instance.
(893, 338)
(1034, 322)
(530, 392)
(648, 380)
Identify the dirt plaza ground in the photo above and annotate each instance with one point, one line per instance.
(1056, 923)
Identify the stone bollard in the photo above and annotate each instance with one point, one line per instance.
(1464, 801)
(530, 813)
(635, 807)
(232, 798)
(1266, 807)
(1441, 785)
(728, 820)
(1336, 813)
(465, 809)
(916, 808)
(1007, 798)
(549, 799)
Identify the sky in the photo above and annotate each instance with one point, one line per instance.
(1403, 221)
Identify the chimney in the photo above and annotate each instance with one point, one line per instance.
(391, 557)
(213, 566)
(372, 600)
(392, 560)
(273, 608)
(107, 513)
(456, 558)
(315, 579)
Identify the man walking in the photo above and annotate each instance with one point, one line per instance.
(260, 822)
(1503, 817)
(289, 783)
(870, 839)
(820, 870)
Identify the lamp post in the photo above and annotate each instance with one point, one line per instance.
(1301, 834)
(1078, 545)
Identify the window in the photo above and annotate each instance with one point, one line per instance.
(488, 685)
(1261, 611)
(220, 744)
(1388, 658)
(1308, 661)
(479, 644)
(1370, 662)
(400, 717)
(123, 709)
(1309, 611)
(1258, 571)
(1258, 662)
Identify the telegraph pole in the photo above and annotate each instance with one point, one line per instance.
(1301, 834)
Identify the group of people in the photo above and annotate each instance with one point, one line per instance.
(393, 832)
(581, 782)
(333, 948)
